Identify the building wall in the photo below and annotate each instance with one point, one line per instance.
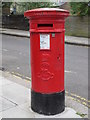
(77, 26)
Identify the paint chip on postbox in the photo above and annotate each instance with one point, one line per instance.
(44, 41)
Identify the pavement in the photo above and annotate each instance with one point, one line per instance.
(15, 99)
(68, 39)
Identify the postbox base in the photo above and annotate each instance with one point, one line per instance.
(48, 104)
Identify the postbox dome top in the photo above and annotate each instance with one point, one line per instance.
(46, 12)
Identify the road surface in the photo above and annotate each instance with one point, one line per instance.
(15, 51)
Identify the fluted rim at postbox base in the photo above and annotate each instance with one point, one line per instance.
(45, 12)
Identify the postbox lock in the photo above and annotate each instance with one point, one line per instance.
(58, 58)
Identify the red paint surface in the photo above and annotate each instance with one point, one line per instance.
(47, 66)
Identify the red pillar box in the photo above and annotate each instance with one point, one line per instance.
(47, 59)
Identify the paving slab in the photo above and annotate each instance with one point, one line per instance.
(17, 112)
(16, 79)
(4, 81)
(5, 104)
(16, 93)
(68, 113)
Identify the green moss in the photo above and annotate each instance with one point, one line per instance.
(80, 114)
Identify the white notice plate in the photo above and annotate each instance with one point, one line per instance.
(45, 41)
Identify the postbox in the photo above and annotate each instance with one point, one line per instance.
(47, 59)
